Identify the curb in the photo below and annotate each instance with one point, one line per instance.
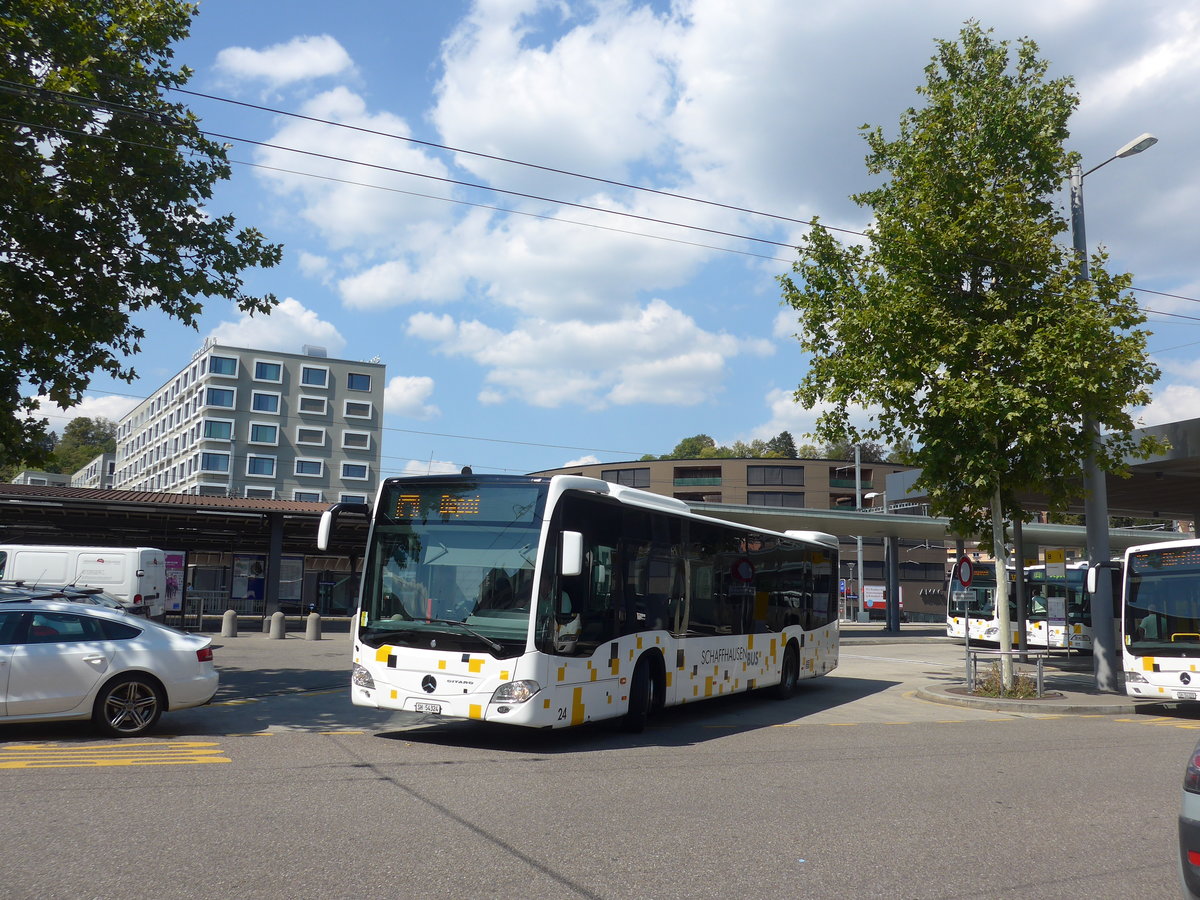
(1057, 703)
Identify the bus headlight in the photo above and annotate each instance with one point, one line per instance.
(515, 691)
(1136, 677)
(360, 677)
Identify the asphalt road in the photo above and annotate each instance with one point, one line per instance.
(855, 788)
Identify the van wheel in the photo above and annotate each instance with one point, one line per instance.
(127, 707)
(790, 676)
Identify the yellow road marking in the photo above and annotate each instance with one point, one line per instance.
(64, 756)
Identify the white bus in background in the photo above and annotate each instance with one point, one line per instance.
(137, 576)
(1058, 613)
(1160, 620)
(554, 601)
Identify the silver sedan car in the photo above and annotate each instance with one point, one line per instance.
(61, 660)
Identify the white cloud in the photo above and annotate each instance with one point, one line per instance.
(431, 467)
(602, 89)
(300, 59)
(92, 406)
(1171, 403)
(655, 354)
(588, 460)
(407, 396)
(345, 202)
(288, 328)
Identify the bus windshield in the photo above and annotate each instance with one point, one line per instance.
(451, 566)
(1162, 602)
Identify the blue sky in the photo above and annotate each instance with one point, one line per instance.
(521, 334)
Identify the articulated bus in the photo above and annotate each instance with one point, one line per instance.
(1160, 620)
(1058, 609)
(553, 601)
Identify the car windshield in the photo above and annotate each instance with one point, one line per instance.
(453, 569)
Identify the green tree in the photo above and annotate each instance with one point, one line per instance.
(102, 213)
(699, 446)
(83, 440)
(782, 445)
(961, 321)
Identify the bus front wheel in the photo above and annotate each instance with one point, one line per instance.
(644, 690)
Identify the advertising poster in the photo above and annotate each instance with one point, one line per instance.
(176, 561)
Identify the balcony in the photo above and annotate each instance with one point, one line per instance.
(696, 482)
(866, 484)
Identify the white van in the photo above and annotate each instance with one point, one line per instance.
(137, 576)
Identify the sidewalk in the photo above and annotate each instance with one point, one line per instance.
(1068, 682)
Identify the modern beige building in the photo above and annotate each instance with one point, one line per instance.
(782, 484)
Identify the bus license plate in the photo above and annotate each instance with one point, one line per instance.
(433, 708)
(1185, 695)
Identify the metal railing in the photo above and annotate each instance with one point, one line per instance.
(975, 654)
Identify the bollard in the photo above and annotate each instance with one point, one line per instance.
(277, 625)
(313, 630)
(229, 624)
(266, 624)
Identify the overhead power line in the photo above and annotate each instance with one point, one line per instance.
(17, 88)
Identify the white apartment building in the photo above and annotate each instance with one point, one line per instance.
(236, 422)
(96, 474)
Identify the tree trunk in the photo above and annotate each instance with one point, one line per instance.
(1001, 555)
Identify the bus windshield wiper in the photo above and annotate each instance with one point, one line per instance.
(469, 630)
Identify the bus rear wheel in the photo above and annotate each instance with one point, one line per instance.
(790, 675)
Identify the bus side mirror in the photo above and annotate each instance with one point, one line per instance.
(1093, 574)
(329, 518)
(572, 553)
(324, 529)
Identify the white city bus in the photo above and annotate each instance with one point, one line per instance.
(1058, 612)
(1160, 620)
(553, 601)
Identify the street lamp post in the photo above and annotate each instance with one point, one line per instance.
(1095, 509)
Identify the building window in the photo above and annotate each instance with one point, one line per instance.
(214, 462)
(222, 397)
(307, 496)
(222, 365)
(312, 436)
(260, 465)
(356, 381)
(354, 471)
(267, 371)
(788, 499)
(633, 477)
(264, 434)
(310, 467)
(775, 475)
(261, 401)
(218, 430)
(352, 498)
(311, 376)
(356, 440)
(356, 409)
(260, 493)
(314, 405)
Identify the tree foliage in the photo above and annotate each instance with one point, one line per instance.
(82, 441)
(103, 213)
(782, 446)
(961, 321)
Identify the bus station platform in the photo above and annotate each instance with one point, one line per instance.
(1069, 684)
